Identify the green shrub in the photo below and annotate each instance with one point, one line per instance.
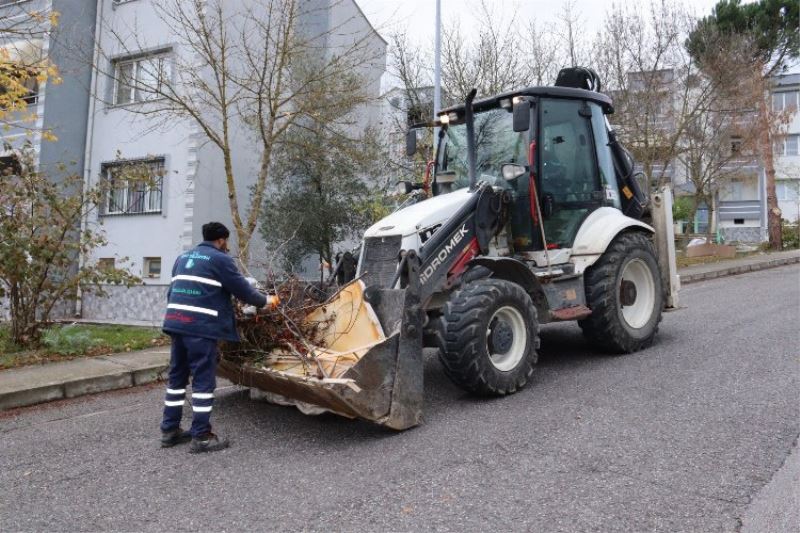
(682, 208)
(790, 237)
(5, 339)
(69, 340)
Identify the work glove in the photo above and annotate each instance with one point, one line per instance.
(272, 303)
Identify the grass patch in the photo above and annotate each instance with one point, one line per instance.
(63, 342)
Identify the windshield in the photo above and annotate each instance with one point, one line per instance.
(496, 143)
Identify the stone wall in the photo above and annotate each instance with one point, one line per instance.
(741, 234)
(135, 305)
(140, 305)
(5, 312)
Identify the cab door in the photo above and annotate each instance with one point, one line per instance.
(568, 178)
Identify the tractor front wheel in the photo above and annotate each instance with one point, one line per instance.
(625, 294)
(489, 337)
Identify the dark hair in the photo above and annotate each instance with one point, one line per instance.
(215, 230)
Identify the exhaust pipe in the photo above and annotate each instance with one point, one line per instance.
(469, 118)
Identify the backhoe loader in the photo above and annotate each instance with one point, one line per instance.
(535, 216)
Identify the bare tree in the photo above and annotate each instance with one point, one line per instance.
(720, 143)
(770, 126)
(491, 62)
(544, 57)
(571, 30)
(409, 64)
(38, 217)
(653, 82)
(259, 66)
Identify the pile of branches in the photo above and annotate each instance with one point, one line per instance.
(284, 329)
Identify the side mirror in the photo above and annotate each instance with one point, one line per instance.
(522, 115)
(404, 187)
(642, 182)
(411, 142)
(512, 171)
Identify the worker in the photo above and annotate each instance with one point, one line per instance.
(199, 313)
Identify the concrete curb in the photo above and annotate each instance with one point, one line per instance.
(737, 269)
(70, 379)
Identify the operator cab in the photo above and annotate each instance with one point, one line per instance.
(550, 146)
(561, 161)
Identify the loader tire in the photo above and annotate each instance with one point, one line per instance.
(488, 338)
(624, 292)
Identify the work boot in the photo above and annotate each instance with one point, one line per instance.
(173, 437)
(208, 443)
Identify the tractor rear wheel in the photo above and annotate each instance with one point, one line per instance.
(625, 294)
(489, 337)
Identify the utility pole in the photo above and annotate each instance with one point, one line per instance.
(437, 67)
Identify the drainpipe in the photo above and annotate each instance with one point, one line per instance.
(87, 155)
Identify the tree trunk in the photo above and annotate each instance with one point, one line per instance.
(773, 212)
(24, 327)
(696, 201)
(711, 229)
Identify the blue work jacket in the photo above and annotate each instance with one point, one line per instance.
(199, 298)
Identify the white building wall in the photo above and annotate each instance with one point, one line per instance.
(194, 189)
(117, 133)
(787, 167)
(348, 24)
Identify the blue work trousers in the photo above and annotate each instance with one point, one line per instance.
(195, 356)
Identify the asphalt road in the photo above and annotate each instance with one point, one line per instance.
(680, 437)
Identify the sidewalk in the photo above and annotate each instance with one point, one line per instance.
(43, 383)
(732, 267)
(36, 384)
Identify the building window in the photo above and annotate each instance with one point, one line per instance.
(10, 166)
(788, 145)
(740, 189)
(787, 191)
(133, 187)
(785, 100)
(736, 145)
(106, 263)
(20, 71)
(791, 143)
(152, 267)
(30, 84)
(141, 78)
(738, 221)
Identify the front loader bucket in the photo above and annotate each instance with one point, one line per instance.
(370, 366)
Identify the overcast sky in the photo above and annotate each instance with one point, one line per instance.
(417, 17)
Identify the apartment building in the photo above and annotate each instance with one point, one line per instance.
(62, 108)
(59, 108)
(148, 226)
(714, 146)
(786, 97)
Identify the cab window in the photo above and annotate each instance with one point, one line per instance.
(569, 184)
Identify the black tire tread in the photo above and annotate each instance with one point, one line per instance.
(461, 329)
(603, 327)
